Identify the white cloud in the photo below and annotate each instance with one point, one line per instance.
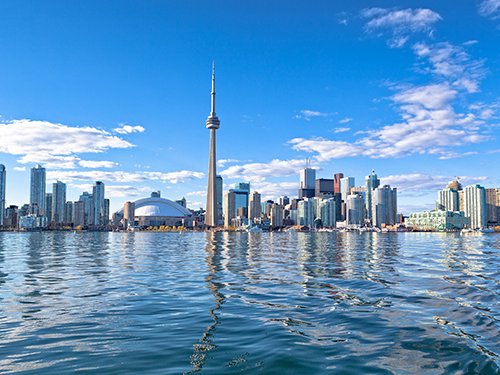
(269, 190)
(127, 129)
(453, 63)
(419, 181)
(200, 193)
(119, 176)
(98, 164)
(20, 169)
(490, 8)
(54, 145)
(307, 114)
(340, 130)
(258, 172)
(116, 191)
(346, 120)
(402, 23)
(434, 96)
(222, 162)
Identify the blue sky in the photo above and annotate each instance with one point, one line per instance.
(119, 91)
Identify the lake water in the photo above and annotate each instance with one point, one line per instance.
(252, 303)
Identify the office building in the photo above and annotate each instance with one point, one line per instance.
(229, 207)
(283, 200)
(346, 184)
(307, 183)
(336, 182)
(475, 206)
(254, 206)
(213, 123)
(372, 182)
(242, 186)
(324, 188)
(492, 205)
(384, 206)
(37, 187)
(98, 197)
(48, 207)
(58, 201)
(2, 193)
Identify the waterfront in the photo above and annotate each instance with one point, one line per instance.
(220, 303)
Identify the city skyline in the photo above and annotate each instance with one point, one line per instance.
(402, 88)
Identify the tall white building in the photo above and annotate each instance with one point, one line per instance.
(2, 193)
(37, 187)
(305, 212)
(58, 201)
(346, 184)
(308, 178)
(475, 206)
(372, 182)
(98, 192)
(254, 206)
(448, 200)
(384, 205)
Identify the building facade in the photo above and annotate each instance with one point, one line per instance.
(355, 210)
(372, 182)
(2, 194)
(384, 206)
(305, 212)
(254, 206)
(37, 187)
(229, 207)
(448, 200)
(475, 206)
(58, 201)
(437, 220)
(98, 197)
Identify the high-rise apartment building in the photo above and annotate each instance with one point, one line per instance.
(283, 200)
(254, 206)
(327, 212)
(88, 202)
(37, 188)
(475, 206)
(305, 212)
(220, 199)
(384, 205)
(355, 210)
(105, 215)
(69, 212)
(58, 201)
(448, 200)
(79, 214)
(2, 194)
(129, 214)
(276, 215)
(98, 196)
(346, 184)
(492, 205)
(48, 207)
(229, 207)
(372, 182)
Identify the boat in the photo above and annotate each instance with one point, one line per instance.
(254, 229)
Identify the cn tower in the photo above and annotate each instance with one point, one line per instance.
(213, 123)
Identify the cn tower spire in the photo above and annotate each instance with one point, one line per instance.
(213, 123)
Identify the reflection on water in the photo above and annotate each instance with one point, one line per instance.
(215, 303)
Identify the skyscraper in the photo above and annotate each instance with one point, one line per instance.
(346, 184)
(254, 206)
(213, 123)
(384, 205)
(2, 193)
(355, 210)
(229, 207)
(88, 202)
(475, 206)
(37, 188)
(305, 212)
(336, 182)
(448, 200)
(58, 201)
(98, 196)
(307, 182)
(48, 207)
(372, 182)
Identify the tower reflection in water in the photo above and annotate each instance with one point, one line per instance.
(213, 250)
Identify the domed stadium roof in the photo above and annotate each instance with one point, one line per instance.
(158, 207)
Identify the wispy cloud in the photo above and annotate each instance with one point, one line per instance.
(490, 8)
(117, 191)
(222, 162)
(98, 164)
(127, 129)
(200, 193)
(20, 169)
(415, 182)
(55, 145)
(258, 172)
(340, 130)
(307, 114)
(270, 190)
(402, 23)
(119, 176)
(345, 121)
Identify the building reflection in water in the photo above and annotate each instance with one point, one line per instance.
(213, 249)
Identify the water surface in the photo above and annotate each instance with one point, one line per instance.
(267, 303)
